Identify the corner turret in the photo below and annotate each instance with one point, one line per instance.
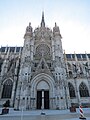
(29, 30)
(56, 30)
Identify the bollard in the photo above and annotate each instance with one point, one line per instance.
(42, 111)
(81, 113)
(43, 115)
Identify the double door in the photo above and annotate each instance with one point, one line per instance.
(44, 97)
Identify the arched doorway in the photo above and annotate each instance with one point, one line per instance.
(42, 95)
(42, 82)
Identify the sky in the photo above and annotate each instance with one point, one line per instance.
(72, 17)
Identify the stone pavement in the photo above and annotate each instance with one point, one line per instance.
(49, 115)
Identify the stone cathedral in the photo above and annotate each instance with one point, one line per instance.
(41, 75)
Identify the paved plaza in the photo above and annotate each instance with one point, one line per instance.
(49, 115)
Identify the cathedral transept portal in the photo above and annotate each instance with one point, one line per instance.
(40, 75)
(42, 95)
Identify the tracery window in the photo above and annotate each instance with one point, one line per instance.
(83, 90)
(7, 89)
(70, 74)
(42, 50)
(42, 65)
(71, 90)
(69, 66)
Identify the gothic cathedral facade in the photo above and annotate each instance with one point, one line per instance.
(40, 74)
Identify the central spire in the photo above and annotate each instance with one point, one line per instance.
(42, 21)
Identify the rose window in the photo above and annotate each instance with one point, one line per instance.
(43, 50)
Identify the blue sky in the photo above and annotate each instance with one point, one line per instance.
(72, 16)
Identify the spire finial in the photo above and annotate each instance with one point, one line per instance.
(42, 21)
(42, 15)
(55, 24)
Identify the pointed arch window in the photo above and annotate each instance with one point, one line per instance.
(70, 74)
(7, 89)
(71, 90)
(83, 90)
(42, 65)
(69, 66)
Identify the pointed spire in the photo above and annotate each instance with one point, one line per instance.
(87, 56)
(75, 56)
(65, 58)
(55, 24)
(42, 21)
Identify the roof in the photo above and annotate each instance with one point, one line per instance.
(79, 56)
(12, 49)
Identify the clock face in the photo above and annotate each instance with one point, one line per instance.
(43, 50)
